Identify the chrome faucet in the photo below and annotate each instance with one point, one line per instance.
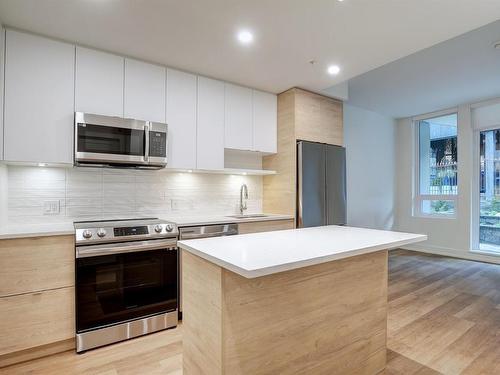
(243, 190)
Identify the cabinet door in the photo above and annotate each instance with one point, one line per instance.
(181, 119)
(35, 319)
(210, 130)
(36, 264)
(39, 99)
(238, 118)
(265, 119)
(144, 92)
(99, 82)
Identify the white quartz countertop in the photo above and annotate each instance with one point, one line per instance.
(260, 254)
(36, 230)
(22, 230)
(192, 220)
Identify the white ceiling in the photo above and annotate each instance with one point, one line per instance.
(465, 69)
(198, 35)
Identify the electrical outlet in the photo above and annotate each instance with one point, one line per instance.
(51, 207)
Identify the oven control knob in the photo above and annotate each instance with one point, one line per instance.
(101, 232)
(169, 227)
(87, 233)
(158, 228)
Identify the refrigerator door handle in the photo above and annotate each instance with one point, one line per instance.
(298, 215)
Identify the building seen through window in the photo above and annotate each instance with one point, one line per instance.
(437, 165)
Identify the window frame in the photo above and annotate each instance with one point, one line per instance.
(418, 198)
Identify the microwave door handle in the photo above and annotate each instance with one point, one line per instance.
(146, 146)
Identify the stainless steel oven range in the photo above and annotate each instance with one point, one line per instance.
(126, 280)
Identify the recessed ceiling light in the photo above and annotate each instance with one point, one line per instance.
(333, 70)
(245, 37)
(42, 164)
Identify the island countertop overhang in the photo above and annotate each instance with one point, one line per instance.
(260, 254)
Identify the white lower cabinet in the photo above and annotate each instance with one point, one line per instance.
(210, 129)
(181, 119)
(39, 99)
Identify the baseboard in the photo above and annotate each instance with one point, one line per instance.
(453, 253)
(37, 352)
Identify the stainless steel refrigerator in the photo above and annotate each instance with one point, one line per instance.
(321, 180)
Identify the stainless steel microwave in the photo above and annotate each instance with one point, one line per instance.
(114, 141)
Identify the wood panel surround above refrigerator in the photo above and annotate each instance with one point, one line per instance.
(305, 116)
(47, 80)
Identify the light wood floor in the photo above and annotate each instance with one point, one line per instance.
(444, 318)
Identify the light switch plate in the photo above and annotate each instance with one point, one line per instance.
(52, 207)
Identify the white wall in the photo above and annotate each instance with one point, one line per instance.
(3, 168)
(92, 193)
(2, 41)
(370, 146)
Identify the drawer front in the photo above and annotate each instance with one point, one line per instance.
(265, 226)
(38, 263)
(31, 320)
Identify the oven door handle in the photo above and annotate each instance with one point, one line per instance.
(127, 247)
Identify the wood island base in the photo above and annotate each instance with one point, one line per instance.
(329, 318)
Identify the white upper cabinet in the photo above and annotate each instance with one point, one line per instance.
(265, 116)
(39, 99)
(238, 117)
(181, 119)
(44, 85)
(210, 132)
(144, 92)
(99, 82)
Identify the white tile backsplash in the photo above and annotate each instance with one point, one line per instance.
(93, 193)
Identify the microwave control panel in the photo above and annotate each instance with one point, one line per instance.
(157, 144)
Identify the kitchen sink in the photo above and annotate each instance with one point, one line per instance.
(246, 216)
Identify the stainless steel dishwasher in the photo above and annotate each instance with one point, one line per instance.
(197, 232)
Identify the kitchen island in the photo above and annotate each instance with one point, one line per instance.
(310, 300)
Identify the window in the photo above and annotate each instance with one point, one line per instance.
(437, 166)
(489, 190)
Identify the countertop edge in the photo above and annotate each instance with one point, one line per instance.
(230, 220)
(37, 231)
(31, 234)
(254, 273)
